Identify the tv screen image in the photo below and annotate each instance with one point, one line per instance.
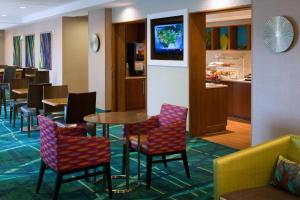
(168, 39)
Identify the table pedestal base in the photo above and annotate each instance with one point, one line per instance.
(32, 128)
(132, 186)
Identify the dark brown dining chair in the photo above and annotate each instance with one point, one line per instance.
(34, 104)
(41, 77)
(30, 70)
(79, 106)
(52, 92)
(8, 76)
(17, 100)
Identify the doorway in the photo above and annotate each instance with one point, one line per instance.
(229, 62)
(220, 103)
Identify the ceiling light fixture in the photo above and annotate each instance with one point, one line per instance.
(3, 15)
(22, 7)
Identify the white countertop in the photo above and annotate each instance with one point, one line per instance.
(242, 80)
(215, 85)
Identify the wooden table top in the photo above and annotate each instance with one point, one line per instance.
(130, 117)
(30, 75)
(56, 101)
(18, 70)
(20, 91)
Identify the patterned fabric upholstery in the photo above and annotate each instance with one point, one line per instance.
(65, 149)
(170, 114)
(163, 133)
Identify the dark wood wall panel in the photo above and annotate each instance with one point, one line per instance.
(197, 62)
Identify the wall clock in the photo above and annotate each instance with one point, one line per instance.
(278, 34)
(95, 43)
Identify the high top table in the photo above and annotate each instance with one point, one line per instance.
(125, 118)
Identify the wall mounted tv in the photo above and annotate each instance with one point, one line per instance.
(167, 38)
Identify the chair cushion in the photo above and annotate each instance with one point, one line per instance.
(134, 142)
(260, 193)
(28, 111)
(89, 127)
(18, 102)
(287, 175)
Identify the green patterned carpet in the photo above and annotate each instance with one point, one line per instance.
(19, 166)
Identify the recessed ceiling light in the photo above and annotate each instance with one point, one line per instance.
(22, 7)
(3, 15)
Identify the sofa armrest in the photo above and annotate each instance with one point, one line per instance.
(249, 168)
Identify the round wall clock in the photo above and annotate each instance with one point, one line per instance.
(95, 43)
(278, 34)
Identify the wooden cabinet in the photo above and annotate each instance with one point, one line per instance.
(239, 99)
(135, 93)
(129, 92)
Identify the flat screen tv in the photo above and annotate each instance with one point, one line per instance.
(167, 38)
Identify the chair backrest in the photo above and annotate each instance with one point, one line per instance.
(80, 105)
(41, 77)
(35, 95)
(170, 114)
(30, 70)
(18, 84)
(52, 92)
(48, 141)
(9, 74)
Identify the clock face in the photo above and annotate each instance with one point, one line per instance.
(278, 34)
(95, 43)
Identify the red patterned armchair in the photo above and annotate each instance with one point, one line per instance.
(161, 135)
(68, 150)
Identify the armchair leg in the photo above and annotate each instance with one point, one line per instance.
(57, 185)
(4, 102)
(186, 164)
(149, 170)
(108, 177)
(1, 100)
(41, 175)
(10, 114)
(28, 124)
(165, 160)
(86, 173)
(22, 116)
(15, 116)
(124, 159)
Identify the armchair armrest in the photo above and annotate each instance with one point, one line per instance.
(145, 126)
(82, 151)
(71, 131)
(249, 168)
(170, 138)
(173, 129)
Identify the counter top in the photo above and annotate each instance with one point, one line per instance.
(215, 85)
(135, 77)
(242, 80)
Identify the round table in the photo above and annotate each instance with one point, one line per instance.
(125, 118)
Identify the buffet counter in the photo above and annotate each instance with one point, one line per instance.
(242, 80)
(215, 85)
(216, 107)
(239, 98)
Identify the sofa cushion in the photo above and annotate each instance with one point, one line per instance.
(260, 193)
(287, 175)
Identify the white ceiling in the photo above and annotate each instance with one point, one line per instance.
(11, 13)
